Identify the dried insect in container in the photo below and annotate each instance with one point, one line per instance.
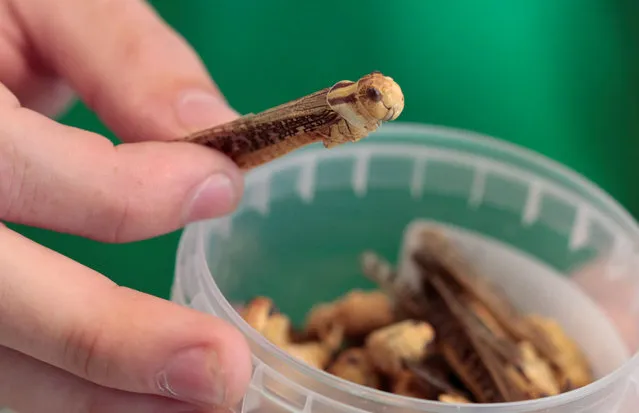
(486, 318)
(435, 373)
(476, 364)
(572, 368)
(379, 271)
(406, 383)
(359, 312)
(278, 329)
(407, 304)
(318, 353)
(320, 319)
(355, 365)
(537, 378)
(452, 398)
(523, 373)
(260, 313)
(257, 312)
(529, 370)
(436, 250)
(312, 353)
(346, 112)
(392, 346)
(363, 312)
(456, 345)
(482, 322)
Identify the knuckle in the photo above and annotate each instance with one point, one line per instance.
(118, 211)
(8, 172)
(15, 190)
(120, 223)
(85, 353)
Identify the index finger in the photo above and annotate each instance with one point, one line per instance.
(140, 76)
(69, 180)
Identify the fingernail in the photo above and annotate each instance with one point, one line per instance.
(198, 109)
(214, 197)
(193, 375)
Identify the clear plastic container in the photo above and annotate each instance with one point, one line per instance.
(557, 244)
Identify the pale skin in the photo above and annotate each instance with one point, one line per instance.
(70, 339)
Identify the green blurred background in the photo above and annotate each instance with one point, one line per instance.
(558, 76)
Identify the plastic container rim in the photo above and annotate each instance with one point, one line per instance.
(374, 395)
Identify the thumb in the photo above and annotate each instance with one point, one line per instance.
(66, 315)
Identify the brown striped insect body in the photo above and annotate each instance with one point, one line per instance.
(346, 112)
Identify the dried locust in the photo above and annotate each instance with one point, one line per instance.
(483, 338)
(504, 321)
(435, 373)
(436, 250)
(456, 340)
(472, 355)
(346, 112)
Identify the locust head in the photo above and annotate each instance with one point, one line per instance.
(379, 97)
(366, 103)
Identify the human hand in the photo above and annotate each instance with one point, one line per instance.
(70, 339)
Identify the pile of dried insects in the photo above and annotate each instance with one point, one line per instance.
(448, 336)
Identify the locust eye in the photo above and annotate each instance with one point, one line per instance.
(373, 94)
